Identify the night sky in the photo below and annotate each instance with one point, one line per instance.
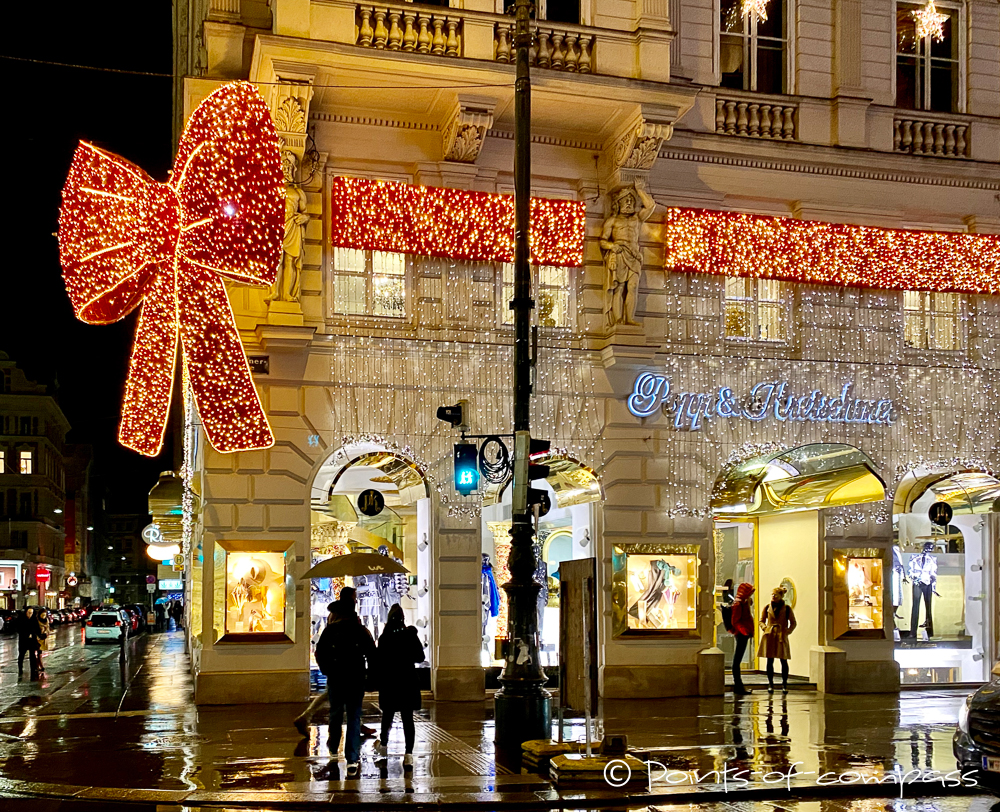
(48, 109)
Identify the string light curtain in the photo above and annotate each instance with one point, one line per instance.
(451, 223)
(750, 245)
(126, 240)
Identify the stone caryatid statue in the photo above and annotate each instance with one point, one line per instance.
(631, 206)
(287, 285)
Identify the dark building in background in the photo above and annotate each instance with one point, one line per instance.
(126, 553)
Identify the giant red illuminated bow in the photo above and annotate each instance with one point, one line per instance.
(125, 239)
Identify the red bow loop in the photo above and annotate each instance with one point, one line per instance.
(125, 239)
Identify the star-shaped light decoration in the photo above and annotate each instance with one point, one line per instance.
(756, 7)
(930, 22)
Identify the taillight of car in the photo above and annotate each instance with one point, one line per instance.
(118, 623)
(90, 623)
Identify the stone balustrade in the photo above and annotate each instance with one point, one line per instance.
(777, 121)
(566, 49)
(408, 28)
(918, 136)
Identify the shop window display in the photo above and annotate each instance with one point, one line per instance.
(858, 593)
(251, 603)
(655, 590)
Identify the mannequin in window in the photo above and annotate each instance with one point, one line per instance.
(651, 608)
(923, 574)
(490, 592)
(898, 579)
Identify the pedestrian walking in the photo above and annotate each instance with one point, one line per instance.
(25, 624)
(161, 617)
(399, 651)
(177, 613)
(742, 620)
(41, 631)
(345, 653)
(777, 621)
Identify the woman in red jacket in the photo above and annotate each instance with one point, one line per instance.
(743, 623)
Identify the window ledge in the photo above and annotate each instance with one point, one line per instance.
(759, 343)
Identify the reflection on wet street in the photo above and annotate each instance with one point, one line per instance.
(104, 719)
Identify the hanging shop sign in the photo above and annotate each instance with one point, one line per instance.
(371, 502)
(127, 241)
(767, 400)
(71, 580)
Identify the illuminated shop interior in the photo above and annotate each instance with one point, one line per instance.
(565, 533)
(767, 533)
(954, 646)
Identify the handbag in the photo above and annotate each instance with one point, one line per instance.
(49, 643)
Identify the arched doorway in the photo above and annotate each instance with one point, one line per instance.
(565, 533)
(939, 582)
(767, 531)
(345, 519)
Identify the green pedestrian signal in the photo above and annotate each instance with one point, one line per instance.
(466, 468)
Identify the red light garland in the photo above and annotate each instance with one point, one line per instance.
(451, 223)
(755, 246)
(125, 239)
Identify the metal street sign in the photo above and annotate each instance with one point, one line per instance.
(150, 579)
(151, 588)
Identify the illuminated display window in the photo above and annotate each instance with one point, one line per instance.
(931, 320)
(369, 283)
(550, 285)
(655, 590)
(27, 460)
(754, 309)
(3, 462)
(254, 594)
(857, 593)
(753, 47)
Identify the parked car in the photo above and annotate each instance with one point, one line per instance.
(976, 743)
(7, 624)
(110, 625)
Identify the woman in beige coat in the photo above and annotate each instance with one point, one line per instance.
(777, 621)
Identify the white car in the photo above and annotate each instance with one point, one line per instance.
(109, 625)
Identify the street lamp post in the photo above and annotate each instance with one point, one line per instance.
(522, 706)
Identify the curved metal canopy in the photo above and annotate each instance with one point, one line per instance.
(810, 477)
(965, 491)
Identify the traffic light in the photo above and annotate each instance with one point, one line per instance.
(457, 415)
(536, 471)
(466, 468)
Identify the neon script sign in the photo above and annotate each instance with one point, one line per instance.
(767, 400)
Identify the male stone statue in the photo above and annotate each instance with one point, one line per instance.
(286, 286)
(622, 255)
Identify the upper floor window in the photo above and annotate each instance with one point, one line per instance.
(3, 462)
(753, 48)
(369, 283)
(5, 381)
(559, 11)
(27, 459)
(754, 309)
(928, 67)
(931, 320)
(550, 285)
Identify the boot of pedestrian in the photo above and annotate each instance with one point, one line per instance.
(302, 725)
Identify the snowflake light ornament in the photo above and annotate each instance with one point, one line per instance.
(756, 7)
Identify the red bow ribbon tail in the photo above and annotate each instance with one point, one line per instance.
(151, 369)
(228, 403)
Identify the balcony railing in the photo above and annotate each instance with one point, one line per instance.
(406, 28)
(919, 134)
(568, 48)
(757, 118)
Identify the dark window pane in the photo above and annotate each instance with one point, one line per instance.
(906, 30)
(732, 62)
(770, 67)
(562, 11)
(908, 93)
(944, 86)
(774, 25)
(947, 48)
(731, 21)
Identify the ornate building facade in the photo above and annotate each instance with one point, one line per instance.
(730, 398)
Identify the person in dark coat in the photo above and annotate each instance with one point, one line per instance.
(345, 652)
(743, 623)
(25, 622)
(399, 650)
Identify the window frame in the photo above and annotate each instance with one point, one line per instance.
(29, 459)
(959, 29)
(783, 304)
(929, 325)
(750, 49)
(369, 276)
(503, 302)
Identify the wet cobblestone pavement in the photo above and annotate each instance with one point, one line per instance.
(107, 724)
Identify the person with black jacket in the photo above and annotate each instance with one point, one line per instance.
(345, 652)
(25, 626)
(399, 650)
